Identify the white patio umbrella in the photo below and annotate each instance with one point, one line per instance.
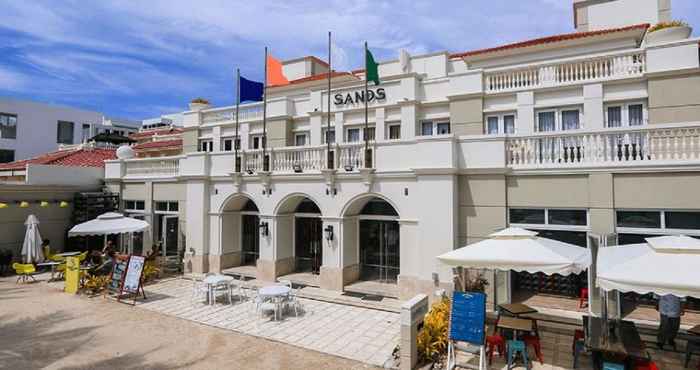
(520, 250)
(662, 265)
(109, 223)
(31, 248)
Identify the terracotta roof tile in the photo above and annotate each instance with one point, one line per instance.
(550, 39)
(159, 144)
(70, 158)
(149, 133)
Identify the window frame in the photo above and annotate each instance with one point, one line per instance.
(624, 113)
(500, 122)
(391, 126)
(209, 144)
(304, 135)
(228, 139)
(435, 123)
(70, 140)
(168, 204)
(251, 143)
(135, 209)
(558, 121)
(16, 123)
(11, 151)
(326, 132)
(555, 227)
(662, 230)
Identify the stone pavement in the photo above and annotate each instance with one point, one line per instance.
(356, 333)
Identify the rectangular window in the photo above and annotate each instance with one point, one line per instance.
(614, 116)
(227, 144)
(394, 132)
(639, 219)
(85, 133)
(546, 121)
(300, 139)
(574, 217)
(636, 114)
(526, 216)
(330, 136)
(570, 119)
(682, 220)
(64, 132)
(370, 134)
(443, 128)
(134, 205)
(206, 145)
(353, 135)
(167, 206)
(509, 124)
(492, 125)
(8, 126)
(255, 144)
(7, 156)
(426, 128)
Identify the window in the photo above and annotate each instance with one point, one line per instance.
(256, 142)
(206, 145)
(576, 217)
(546, 121)
(509, 124)
(227, 144)
(570, 119)
(353, 135)
(330, 136)
(7, 156)
(443, 128)
(8, 126)
(86, 132)
(394, 132)
(682, 220)
(300, 139)
(636, 114)
(426, 128)
(639, 219)
(564, 219)
(64, 132)
(169, 206)
(134, 205)
(614, 116)
(492, 125)
(526, 216)
(370, 134)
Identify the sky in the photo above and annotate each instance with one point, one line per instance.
(141, 59)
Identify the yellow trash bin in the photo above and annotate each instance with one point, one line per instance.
(72, 275)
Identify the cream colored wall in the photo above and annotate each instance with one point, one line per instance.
(278, 133)
(190, 140)
(466, 116)
(674, 99)
(482, 201)
(658, 190)
(134, 192)
(168, 191)
(548, 191)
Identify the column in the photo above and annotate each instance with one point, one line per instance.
(196, 257)
(216, 138)
(408, 120)
(593, 116)
(525, 123)
(339, 134)
(316, 124)
(332, 277)
(380, 125)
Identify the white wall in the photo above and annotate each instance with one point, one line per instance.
(64, 175)
(621, 13)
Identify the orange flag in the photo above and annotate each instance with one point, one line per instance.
(275, 77)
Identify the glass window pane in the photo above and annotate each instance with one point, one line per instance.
(140, 204)
(573, 217)
(353, 135)
(509, 124)
(443, 128)
(571, 237)
(569, 120)
(636, 114)
(492, 125)
(330, 136)
(645, 219)
(161, 206)
(370, 134)
(128, 204)
(546, 121)
(300, 140)
(173, 206)
(426, 128)
(526, 216)
(228, 145)
(395, 132)
(614, 116)
(7, 156)
(64, 132)
(683, 220)
(8, 126)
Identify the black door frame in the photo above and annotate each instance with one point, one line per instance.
(315, 259)
(389, 264)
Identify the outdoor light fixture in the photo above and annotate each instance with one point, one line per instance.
(250, 172)
(264, 231)
(63, 204)
(297, 168)
(23, 204)
(44, 204)
(349, 167)
(329, 232)
(3, 205)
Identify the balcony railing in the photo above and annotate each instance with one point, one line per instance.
(306, 158)
(153, 167)
(642, 145)
(625, 65)
(229, 114)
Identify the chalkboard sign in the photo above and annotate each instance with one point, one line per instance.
(115, 285)
(132, 280)
(468, 317)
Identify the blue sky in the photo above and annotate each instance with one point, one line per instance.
(140, 59)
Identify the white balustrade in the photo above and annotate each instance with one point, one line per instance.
(619, 146)
(252, 160)
(306, 158)
(608, 67)
(229, 114)
(150, 167)
(351, 155)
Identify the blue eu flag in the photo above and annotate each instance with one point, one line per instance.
(250, 90)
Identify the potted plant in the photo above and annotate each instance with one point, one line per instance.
(198, 104)
(668, 31)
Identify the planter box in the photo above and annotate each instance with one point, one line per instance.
(669, 34)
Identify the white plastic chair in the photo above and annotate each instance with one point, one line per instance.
(199, 288)
(291, 299)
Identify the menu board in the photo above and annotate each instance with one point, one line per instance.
(132, 280)
(468, 317)
(117, 277)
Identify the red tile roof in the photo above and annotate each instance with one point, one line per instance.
(71, 158)
(550, 39)
(159, 144)
(149, 133)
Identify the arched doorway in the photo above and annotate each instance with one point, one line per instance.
(250, 235)
(240, 235)
(308, 237)
(379, 241)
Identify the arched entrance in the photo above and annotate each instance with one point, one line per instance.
(240, 235)
(306, 233)
(250, 235)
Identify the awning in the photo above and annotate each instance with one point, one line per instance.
(662, 265)
(521, 250)
(109, 223)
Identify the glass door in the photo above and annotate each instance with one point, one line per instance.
(379, 250)
(308, 244)
(170, 233)
(251, 239)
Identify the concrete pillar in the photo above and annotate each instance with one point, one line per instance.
(525, 123)
(593, 106)
(316, 125)
(339, 129)
(243, 131)
(412, 313)
(408, 121)
(196, 260)
(380, 126)
(332, 276)
(216, 138)
(149, 237)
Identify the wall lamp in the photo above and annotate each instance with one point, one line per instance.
(349, 168)
(297, 168)
(264, 230)
(329, 232)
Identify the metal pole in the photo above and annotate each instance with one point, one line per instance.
(237, 139)
(266, 163)
(329, 155)
(366, 137)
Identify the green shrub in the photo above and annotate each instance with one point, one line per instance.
(662, 25)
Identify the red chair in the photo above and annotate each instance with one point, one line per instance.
(645, 365)
(578, 335)
(495, 341)
(583, 298)
(534, 341)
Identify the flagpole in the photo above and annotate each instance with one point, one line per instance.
(329, 158)
(266, 163)
(237, 139)
(366, 96)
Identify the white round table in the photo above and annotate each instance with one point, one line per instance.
(212, 281)
(274, 291)
(67, 254)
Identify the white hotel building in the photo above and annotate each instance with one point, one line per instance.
(596, 131)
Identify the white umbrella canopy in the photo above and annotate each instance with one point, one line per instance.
(109, 223)
(31, 248)
(662, 265)
(521, 250)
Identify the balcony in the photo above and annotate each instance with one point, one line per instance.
(568, 72)
(152, 167)
(228, 114)
(349, 156)
(675, 144)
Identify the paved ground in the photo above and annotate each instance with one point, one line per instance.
(41, 327)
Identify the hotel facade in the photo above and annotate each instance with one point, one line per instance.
(593, 132)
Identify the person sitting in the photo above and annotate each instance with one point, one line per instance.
(105, 268)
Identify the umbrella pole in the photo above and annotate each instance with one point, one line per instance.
(604, 314)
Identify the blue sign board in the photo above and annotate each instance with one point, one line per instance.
(468, 317)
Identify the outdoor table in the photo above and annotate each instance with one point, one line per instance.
(515, 324)
(53, 265)
(517, 309)
(212, 281)
(625, 342)
(67, 254)
(275, 292)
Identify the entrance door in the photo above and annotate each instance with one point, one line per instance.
(251, 239)
(308, 244)
(379, 250)
(170, 227)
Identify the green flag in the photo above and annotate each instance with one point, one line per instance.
(371, 68)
